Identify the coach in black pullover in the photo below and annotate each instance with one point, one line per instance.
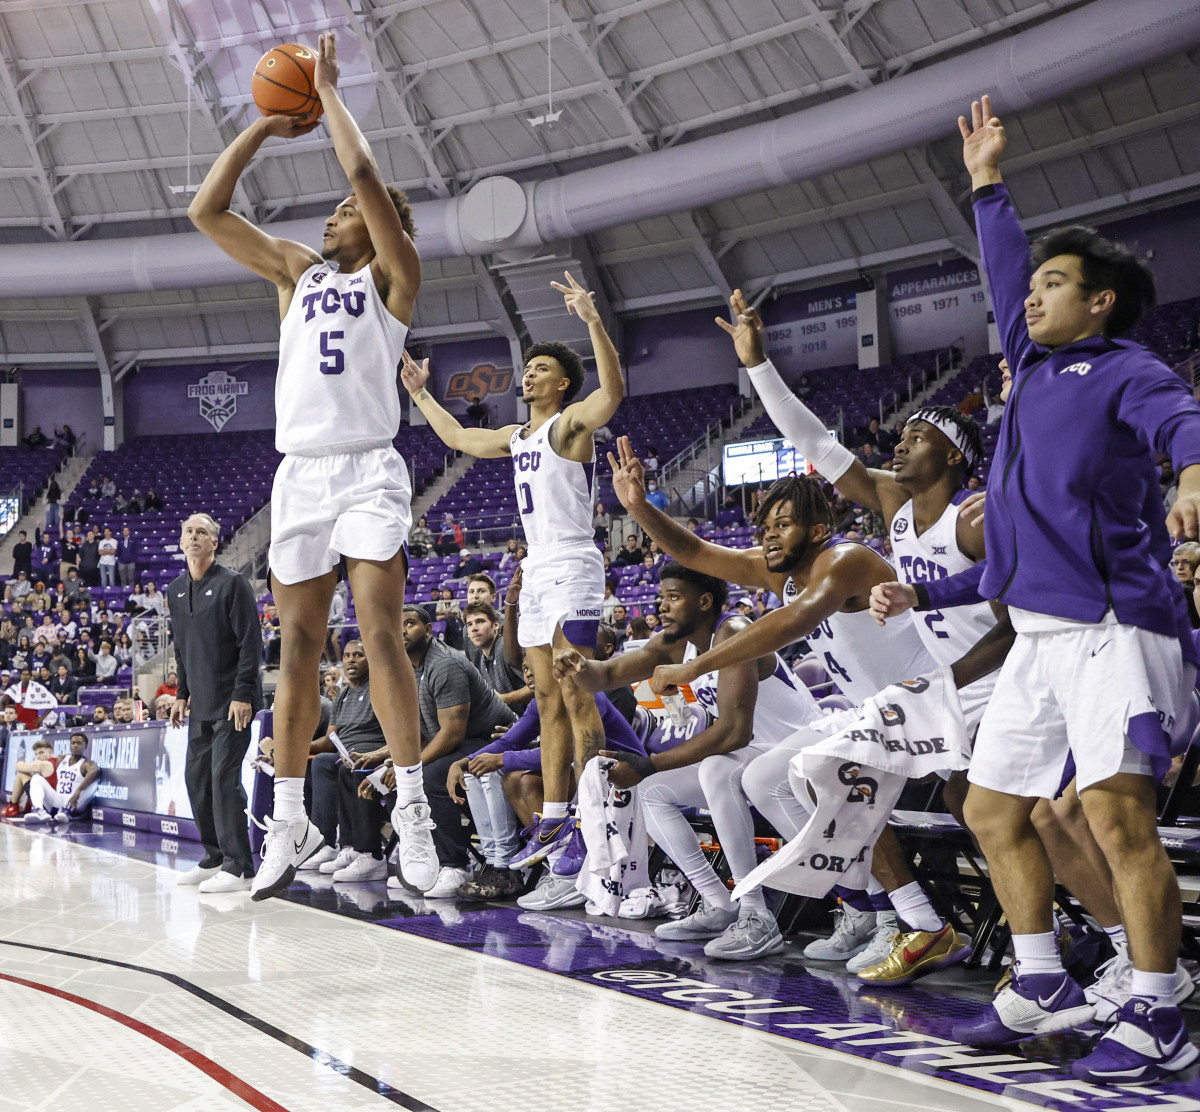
(218, 651)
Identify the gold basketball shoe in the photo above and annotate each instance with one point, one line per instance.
(917, 953)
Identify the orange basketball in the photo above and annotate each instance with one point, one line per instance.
(283, 81)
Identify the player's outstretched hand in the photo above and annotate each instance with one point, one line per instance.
(890, 599)
(325, 75)
(512, 594)
(568, 662)
(983, 138)
(629, 478)
(971, 508)
(414, 375)
(578, 300)
(746, 330)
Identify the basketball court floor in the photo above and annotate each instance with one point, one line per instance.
(121, 991)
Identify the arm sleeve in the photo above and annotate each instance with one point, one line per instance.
(243, 617)
(523, 760)
(1159, 407)
(958, 590)
(1004, 251)
(520, 735)
(799, 424)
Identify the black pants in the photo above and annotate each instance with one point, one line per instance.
(323, 808)
(451, 838)
(214, 783)
(360, 819)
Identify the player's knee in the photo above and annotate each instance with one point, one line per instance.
(1121, 829)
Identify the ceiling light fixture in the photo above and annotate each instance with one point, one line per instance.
(549, 116)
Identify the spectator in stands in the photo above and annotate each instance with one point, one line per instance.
(459, 713)
(639, 632)
(108, 546)
(730, 513)
(102, 718)
(135, 505)
(106, 663)
(333, 631)
(607, 565)
(123, 712)
(152, 503)
(467, 565)
(1184, 560)
(18, 588)
(23, 657)
(168, 687)
(522, 552)
(31, 699)
(692, 525)
(601, 434)
(65, 438)
(601, 524)
(53, 498)
(62, 686)
(93, 488)
(651, 619)
(509, 560)
(47, 633)
(656, 553)
(485, 649)
(89, 559)
(45, 560)
(974, 483)
(37, 438)
(23, 555)
(655, 496)
(1168, 485)
(610, 600)
(162, 707)
(154, 600)
(448, 611)
(127, 557)
(59, 657)
(870, 454)
(481, 587)
(420, 540)
(123, 651)
(108, 489)
(450, 539)
(136, 602)
(431, 605)
(477, 413)
(39, 600)
(650, 463)
(973, 402)
(805, 391)
(648, 576)
(620, 622)
(68, 555)
(630, 555)
(85, 668)
(270, 635)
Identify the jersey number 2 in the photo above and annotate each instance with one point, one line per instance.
(335, 359)
(526, 498)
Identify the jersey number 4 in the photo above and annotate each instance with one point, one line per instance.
(335, 359)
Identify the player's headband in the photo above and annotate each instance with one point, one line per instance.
(951, 430)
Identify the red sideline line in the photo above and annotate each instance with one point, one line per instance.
(222, 1076)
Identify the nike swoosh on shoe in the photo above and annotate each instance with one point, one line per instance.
(910, 956)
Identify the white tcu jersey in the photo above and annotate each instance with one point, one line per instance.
(70, 776)
(935, 554)
(861, 656)
(339, 347)
(782, 707)
(554, 495)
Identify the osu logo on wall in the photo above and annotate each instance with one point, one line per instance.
(217, 393)
(479, 381)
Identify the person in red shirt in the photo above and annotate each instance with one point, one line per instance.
(43, 764)
(168, 688)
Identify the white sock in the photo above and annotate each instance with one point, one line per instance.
(1116, 935)
(410, 784)
(1037, 953)
(289, 798)
(873, 886)
(554, 810)
(1158, 987)
(913, 906)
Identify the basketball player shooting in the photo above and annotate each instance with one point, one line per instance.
(342, 490)
(554, 468)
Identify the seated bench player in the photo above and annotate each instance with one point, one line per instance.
(70, 794)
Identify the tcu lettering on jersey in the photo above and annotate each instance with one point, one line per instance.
(917, 569)
(527, 461)
(330, 302)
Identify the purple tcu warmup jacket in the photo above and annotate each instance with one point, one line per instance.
(1068, 528)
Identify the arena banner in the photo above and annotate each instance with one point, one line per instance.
(933, 306)
(821, 331)
(469, 369)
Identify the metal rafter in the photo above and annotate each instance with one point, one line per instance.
(364, 11)
(702, 249)
(20, 97)
(961, 233)
(829, 33)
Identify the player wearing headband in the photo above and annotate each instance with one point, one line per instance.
(938, 450)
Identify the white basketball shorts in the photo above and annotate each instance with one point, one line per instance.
(1074, 693)
(562, 587)
(355, 504)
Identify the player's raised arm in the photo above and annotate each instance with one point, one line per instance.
(629, 485)
(872, 489)
(395, 254)
(483, 443)
(588, 414)
(281, 261)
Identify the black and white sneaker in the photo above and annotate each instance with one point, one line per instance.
(286, 847)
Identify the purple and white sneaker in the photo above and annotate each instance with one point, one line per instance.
(567, 857)
(1145, 1042)
(541, 838)
(1032, 1004)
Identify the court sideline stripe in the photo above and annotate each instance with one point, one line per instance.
(219, 1074)
(353, 1073)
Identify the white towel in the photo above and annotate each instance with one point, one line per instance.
(615, 836)
(907, 731)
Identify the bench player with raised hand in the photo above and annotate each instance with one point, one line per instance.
(342, 490)
(563, 575)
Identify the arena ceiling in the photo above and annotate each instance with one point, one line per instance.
(111, 109)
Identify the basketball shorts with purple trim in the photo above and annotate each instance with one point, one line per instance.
(1106, 695)
(355, 504)
(562, 587)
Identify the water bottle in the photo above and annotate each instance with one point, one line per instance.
(677, 709)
